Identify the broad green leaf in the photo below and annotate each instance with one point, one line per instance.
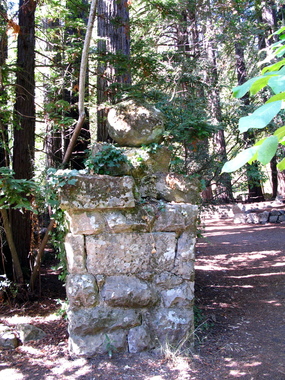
(273, 98)
(280, 133)
(281, 165)
(267, 149)
(259, 84)
(275, 67)
(260, 117)
(242, 158)
(277, 83)
(240, 91)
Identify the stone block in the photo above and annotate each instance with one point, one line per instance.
(90, 345)
(93, 192)
(119, 221)
(273, 218)
(126, 291)
(181, 296)
(85, 223)
(75, 253)
(170, 326)
(176, 217)
(130, 253)
(101, 319)
(139, 340)
(81, 290)
(170, 187)
(263, 217)
(167, 280)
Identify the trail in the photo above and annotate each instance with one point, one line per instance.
(240, 286)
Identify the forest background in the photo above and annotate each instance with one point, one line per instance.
(183, 56)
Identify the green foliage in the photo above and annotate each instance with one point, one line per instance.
(105, 160)
(16, 193)
(272, 76)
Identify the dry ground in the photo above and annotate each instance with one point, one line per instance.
(240, 293)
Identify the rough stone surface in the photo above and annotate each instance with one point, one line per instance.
(124, 291)
(97, 192)
(171, 326)
(170, 187)
(139, 339)
(101, 343)
(125, 253)
(8, 339)
(75, 253)
(82, 290)
(29, 332)
(101, 319)
(130, 258)
(132, 124)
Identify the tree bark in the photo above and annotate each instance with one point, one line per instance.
(114, 42)
(24, 121)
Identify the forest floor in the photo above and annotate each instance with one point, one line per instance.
(240, 304)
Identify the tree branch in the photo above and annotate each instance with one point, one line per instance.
(82, 80)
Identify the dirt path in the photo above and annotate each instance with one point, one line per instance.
(240, 290)
(240, 285)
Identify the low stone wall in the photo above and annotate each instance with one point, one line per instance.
(252, 213)
(131, 267)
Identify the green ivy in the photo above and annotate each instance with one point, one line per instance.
(105, 160)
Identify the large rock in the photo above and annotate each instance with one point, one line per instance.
(126, 291)
(133, 124)
(102, 343)
(101, 319)
(29, 332)
(8, 339)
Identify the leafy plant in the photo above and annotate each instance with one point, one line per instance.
(272, 76)
(15, 193)
(105, 160)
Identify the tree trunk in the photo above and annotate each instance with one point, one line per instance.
(224, 186)
(113, 71)
(4, 157)
(24, 127)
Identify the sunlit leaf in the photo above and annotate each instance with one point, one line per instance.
(280, 133)
(276, 97)
(260, 117)
(277, 83)
(281, 165)
(267, 149)
(241, 159)
(240, 91)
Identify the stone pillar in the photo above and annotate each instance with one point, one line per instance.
(131, 267)
(130, 249)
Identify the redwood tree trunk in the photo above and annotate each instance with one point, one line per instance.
(114, 39)
(24, 127)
